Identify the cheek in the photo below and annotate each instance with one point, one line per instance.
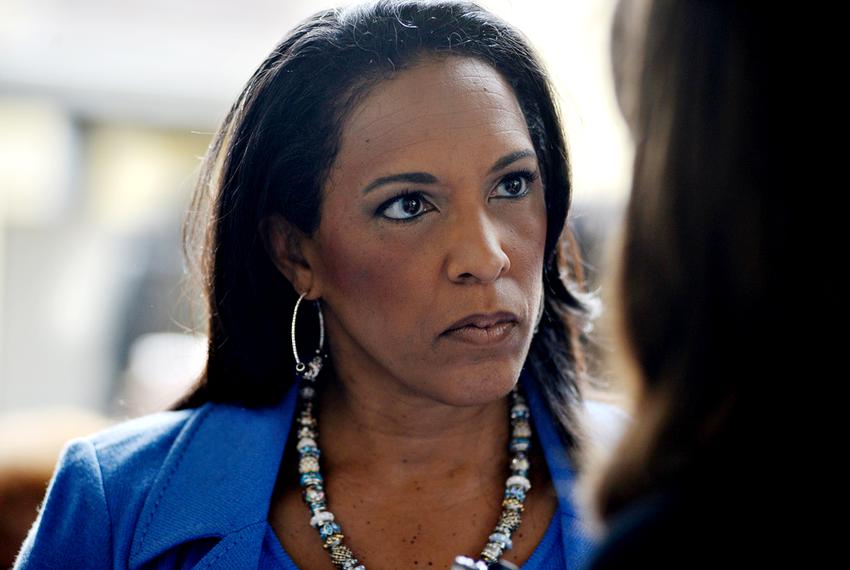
(367, 278)
(352, 268)
(529, 236)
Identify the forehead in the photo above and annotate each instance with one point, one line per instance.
(440, 112)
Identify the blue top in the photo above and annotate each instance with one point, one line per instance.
(192, 489)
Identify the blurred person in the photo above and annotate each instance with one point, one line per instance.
(696, 289)
(397, 171)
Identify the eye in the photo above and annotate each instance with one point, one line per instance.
(410, 205)
(404, 207)
(517, 184)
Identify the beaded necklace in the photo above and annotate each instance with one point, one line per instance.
(330, 531)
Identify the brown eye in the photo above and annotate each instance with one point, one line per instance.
(517, 184)
(410, 205)
(404, 207)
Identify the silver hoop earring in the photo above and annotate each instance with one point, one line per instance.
(311, 369)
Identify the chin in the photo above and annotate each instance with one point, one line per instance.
(479, 385)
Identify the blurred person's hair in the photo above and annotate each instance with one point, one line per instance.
(272, 154)
(697, 263)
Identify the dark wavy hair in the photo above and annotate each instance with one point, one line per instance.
(286, 125)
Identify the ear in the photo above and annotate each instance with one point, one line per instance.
(289, 249)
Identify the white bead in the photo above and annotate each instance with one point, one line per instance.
(306, 432)
(518, 481)
(307, 392)
(519, 464)
(321, 518)
(308, 464)
(314, 495)
(306, 442)
(501, 539)
(464, 563)
(522, 430)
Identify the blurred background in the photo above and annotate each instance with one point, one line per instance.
(106, 109)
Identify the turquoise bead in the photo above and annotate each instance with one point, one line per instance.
(329, 529)
(311, 478)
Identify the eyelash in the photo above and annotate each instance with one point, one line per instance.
(527, 175)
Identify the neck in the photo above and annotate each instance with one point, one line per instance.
(403, 439)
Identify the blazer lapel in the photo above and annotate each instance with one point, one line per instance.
(216, 481)
(576, 541)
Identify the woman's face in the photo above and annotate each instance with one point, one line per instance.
(395, 273)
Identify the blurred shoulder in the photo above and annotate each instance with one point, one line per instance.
(604, 422)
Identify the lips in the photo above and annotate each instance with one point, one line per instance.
(482, 321)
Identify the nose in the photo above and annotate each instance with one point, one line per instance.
(475, 251)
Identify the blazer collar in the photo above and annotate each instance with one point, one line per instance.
(220, 473)
(217, 478)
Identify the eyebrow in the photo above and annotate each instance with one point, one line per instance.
(510, 158)
(426, 178)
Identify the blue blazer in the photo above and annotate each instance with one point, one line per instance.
(192, 488)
